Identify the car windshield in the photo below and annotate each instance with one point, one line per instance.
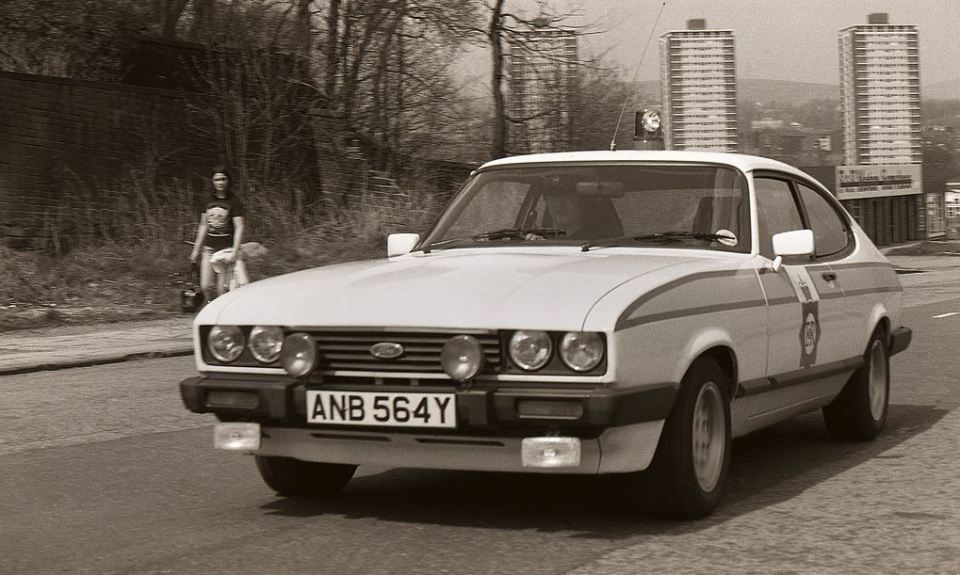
(674, 205)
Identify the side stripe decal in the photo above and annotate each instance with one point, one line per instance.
(625, 320)
(651, 318)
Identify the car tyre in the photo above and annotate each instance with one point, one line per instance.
(860, 411)
(690, 466)
(294, 478)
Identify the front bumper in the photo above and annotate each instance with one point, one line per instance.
(900, 339)
(486, 408)
(617, 429)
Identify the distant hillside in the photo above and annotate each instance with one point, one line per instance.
(949, 90)
(783, 91)
(798, 93)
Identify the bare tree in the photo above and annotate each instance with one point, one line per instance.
(63, 38)
(167, 14)
(510, 27)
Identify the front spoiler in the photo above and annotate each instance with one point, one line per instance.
(615, 450)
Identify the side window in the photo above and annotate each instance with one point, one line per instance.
(830, 234)
(776, 211)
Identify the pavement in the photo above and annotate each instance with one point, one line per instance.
(61, 347)
(926, 279)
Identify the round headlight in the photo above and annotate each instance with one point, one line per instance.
(581, 351)
(266, 343)
(530, 350)
(225, 342)
(462, 357)
(299, 354)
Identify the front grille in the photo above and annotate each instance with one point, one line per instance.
(350, 351)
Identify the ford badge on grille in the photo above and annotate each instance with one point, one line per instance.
(386, 350)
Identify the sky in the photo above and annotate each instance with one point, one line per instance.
(774, 39)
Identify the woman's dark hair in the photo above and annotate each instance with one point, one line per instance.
(223, 169)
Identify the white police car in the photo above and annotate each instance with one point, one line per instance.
(591, 313)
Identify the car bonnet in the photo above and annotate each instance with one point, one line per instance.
(450, 289)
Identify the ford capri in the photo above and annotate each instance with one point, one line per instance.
(622, 313)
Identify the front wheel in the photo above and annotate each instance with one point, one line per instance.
(294, 478)
(860, 411)
(690, 466)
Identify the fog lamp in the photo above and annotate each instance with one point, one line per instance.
(462, 357)
(299, 354)
(237, 436)
(550, 451)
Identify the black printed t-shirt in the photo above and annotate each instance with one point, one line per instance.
(220, 214)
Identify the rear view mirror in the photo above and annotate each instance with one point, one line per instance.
(399, 244)
(600, 189)
(791, 244)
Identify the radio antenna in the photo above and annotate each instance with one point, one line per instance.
(616, 130)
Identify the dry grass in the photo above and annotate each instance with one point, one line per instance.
(111, 282)
(101, 279)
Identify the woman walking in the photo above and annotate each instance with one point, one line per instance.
(221, 226)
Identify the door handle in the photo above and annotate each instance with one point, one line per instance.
(829, 276)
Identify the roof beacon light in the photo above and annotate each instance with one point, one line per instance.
(650, 121)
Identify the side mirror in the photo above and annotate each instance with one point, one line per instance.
(791, 244)
(399, 244)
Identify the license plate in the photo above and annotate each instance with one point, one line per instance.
(386, 409)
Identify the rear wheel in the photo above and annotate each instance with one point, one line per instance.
(692, 460)
(295, 478)
(860, 411)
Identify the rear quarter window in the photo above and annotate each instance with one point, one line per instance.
(831, 234)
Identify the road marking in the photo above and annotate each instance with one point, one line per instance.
(943, 315)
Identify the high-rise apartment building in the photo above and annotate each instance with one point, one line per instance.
(543, 80)
(880, 182)
(880, 89)
(698, 81)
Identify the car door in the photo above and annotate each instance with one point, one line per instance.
(833, 244)
(793, 326)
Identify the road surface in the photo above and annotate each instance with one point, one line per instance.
(103, 471)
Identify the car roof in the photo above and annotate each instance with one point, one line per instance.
(743, 162)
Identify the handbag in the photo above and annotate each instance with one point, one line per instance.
(192, 298)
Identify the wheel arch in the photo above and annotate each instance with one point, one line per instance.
(718, 346)
(879, 318)
(726, 358)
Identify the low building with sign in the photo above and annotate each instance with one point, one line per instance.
(885, 199)
(951, 210)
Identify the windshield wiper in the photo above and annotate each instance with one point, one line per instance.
(519, 233)
(680, 236)
(426, 249)
(662, 237)
(505, 233)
